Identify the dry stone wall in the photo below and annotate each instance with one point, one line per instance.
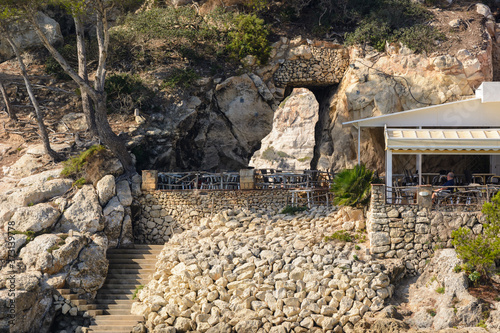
(306, 62)
(164, 213)
(413, 233)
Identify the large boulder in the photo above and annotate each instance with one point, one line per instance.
(249, 114)
(123, 193)
(106, 189)
(39, 192)
(72, 122)
(40, 178)
(290, 145)
(92, 268)
(34, 218)
(37, 254)
(85, 214)
(113, 218)
(24, 36)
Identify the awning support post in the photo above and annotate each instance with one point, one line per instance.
(359, 145)
(388, 173)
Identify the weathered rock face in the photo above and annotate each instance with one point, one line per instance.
(92, 268)
(454, 307)
(410, 81)
(24, 36)
(85, 214)
(33, 303)
(290, 145)
(35, 218)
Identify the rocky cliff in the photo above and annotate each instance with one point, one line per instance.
(55, 235)
(229, 124)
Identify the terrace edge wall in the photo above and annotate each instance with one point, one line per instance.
(162, 213)
(413, 232)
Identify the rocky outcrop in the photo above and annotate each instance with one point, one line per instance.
(290, 145)
(84, 214)
(25, 37)
(45, 249)
(439, 299)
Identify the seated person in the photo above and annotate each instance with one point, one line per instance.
(450, 181)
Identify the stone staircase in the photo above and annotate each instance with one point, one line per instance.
(128, 269)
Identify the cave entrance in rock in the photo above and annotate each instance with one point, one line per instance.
(323, 95)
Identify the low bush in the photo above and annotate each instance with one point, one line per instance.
(479, 251)
(126, 92)
(341, 235)
(180, 78)
(73, 167)
(292, 210)
(249, 38)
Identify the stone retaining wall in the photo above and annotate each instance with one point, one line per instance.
(306, 62)
(411, 232)
(163, 213)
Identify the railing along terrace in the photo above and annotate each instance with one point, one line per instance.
(292, 179)
(469, 197)
(198, 180)
(263, 178)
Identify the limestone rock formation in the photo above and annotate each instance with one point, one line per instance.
(35, 218)
(454, 307)
(92, 268)
(106, 189)
(24, 36)
(290, 145)
(409, 81)
(85, 213)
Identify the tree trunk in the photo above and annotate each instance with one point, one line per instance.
(10, 111)
(109, 138)
(88, 109)
(39, 115)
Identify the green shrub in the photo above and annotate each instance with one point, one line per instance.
(74, 166)
(374, 33)
(79, 182)
(126, 92)
(480, 250)
(180, 78)
(292, 210)
(431, 312)
(134, 295)
(418, 37)
(30, 235)
(440, 290)
(351, 187)
(341, 235)
(249, 38)
(393, 20)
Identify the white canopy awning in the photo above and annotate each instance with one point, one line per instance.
(442, 141)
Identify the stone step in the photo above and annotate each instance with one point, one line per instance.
(127, 261)
(79, 302)
(94, 313)
(149, 246)
(113, 306)
(116, 312)
(114, 256)
(132, 266)
(64, 291)
(118, 318)
(116, 296)
(112, 328)
(127, 270)
(127, 280)
(113, 301)
(120, 286)
(106, 290)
